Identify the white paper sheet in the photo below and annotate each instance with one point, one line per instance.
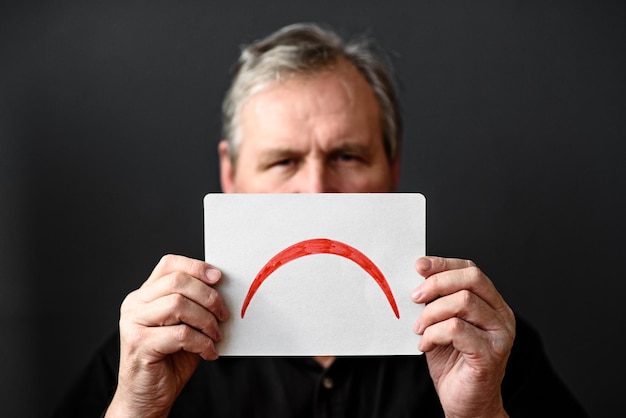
(343, 287)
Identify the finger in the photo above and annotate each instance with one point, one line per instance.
(428, 265)
(464, 305)
(447, 282)
(175, 309)
(457, 333)
(196, 268)
(189, 287)
(172, 339)
(473, 342)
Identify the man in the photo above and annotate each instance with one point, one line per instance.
(308, 114)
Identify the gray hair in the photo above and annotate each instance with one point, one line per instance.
(307, 48)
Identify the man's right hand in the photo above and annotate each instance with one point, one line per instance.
(166, 327)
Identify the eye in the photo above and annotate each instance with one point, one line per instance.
(347, 158)
(284, 162)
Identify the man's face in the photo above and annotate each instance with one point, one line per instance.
(311, 134)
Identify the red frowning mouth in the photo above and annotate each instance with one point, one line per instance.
(320, 246)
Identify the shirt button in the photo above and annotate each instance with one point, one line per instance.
(328, 382)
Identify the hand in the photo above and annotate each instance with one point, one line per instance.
(166, 327)
(467, 334)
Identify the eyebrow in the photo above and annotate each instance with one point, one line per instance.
(276, 154)
(280, 153)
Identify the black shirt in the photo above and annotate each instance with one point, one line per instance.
(377, 387)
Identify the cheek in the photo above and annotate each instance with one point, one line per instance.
(243, 180)
(254, 182)
(383, 182)
(374, 181)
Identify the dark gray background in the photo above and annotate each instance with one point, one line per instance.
(109, 118)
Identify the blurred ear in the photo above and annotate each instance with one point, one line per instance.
(227, 171)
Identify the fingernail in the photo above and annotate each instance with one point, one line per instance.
(213, 275)
(424, 264)
(416, 296)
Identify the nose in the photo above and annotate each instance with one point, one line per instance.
(315, 177)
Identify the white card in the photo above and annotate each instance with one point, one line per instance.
(317, 274)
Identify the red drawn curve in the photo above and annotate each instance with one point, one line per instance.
(320, 246)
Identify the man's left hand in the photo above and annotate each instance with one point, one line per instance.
(467, 334)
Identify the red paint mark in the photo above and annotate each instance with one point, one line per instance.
(320, 246)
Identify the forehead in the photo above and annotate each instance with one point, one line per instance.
(337, 99)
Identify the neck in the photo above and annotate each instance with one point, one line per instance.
(324, 361)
